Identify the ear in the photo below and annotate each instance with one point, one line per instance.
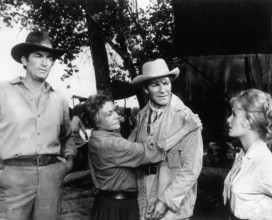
(24, 60)
(246, 124)
(145, 90)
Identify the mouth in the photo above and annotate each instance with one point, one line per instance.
(43, 71)
(117, 123)
(163, 97)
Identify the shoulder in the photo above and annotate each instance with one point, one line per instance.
(6, 85)
(142, 112)
(177, 105)
(58, 96)
(8, 88)
(178, 108)
(3, 84)
(105, 142)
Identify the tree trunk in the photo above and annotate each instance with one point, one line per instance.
(97, 45)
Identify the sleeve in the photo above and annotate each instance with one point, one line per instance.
(133, 134)
(75, 124)
(189, 126)
(191, 164)
(65, 137)
(266, 183)
(123, 153)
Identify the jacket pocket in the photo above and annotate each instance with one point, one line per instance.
(173, 159)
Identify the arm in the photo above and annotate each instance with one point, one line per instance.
(118, 152)
(66, 139)
(192, 123)
(132, 136)
(266, 183)
(75, 124)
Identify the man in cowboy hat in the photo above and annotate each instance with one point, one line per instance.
(36, 147)
(167, 190)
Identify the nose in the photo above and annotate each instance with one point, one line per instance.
(44, 61)
(161, 88)
(116, 116)
(229, 119)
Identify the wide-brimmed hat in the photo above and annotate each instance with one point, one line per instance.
(35, 41)
(154, 69)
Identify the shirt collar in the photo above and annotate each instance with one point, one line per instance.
(158, 111)
(20, 80)
(99, 133)
(256, 148)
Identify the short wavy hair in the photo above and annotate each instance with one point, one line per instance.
(92, 106)
(257, 106)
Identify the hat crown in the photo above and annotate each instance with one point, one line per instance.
(156, 67)
(39, 38)
(35, 41)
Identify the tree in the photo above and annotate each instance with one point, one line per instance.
(136, 35)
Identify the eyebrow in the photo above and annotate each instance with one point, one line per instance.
(42, 54)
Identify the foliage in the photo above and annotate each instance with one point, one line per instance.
(136, 35)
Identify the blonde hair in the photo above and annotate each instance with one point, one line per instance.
(257, 106)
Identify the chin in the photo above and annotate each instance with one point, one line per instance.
(232, 135)
(117, 127)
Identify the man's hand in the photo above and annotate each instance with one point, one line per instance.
(68, 161)
(193, 121)
(158, 210)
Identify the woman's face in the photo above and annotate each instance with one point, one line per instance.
(238, 124)
(108, 119)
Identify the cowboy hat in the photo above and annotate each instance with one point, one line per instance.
(154, 69)
(35, 41)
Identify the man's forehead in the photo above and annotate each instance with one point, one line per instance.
(160, 79)
(42, 52)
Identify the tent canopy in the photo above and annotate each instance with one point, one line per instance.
(222, 27)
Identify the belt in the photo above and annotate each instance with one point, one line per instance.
(37, 160)
(117, 194)
(150, 169)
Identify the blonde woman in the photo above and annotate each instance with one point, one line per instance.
(248, 186)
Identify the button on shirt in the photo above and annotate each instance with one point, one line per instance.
(27, 129)
(250, 193)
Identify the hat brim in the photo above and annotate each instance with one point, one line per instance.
(142, 79)
(22, 49)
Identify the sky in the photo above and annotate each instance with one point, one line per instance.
(81, 83)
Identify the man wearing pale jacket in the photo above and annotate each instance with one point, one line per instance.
(166, 190)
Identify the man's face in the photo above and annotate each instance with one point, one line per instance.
(108, 119)
(38, 65)
(159, 91)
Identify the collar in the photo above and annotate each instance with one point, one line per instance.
(158, 111)
(20, 80)
(255, 149)
(103, 133)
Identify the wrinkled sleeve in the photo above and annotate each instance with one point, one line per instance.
(266, 183)
(173, 139)
(124, 153)
(132, 136)
(65, 137)
(191, 157)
